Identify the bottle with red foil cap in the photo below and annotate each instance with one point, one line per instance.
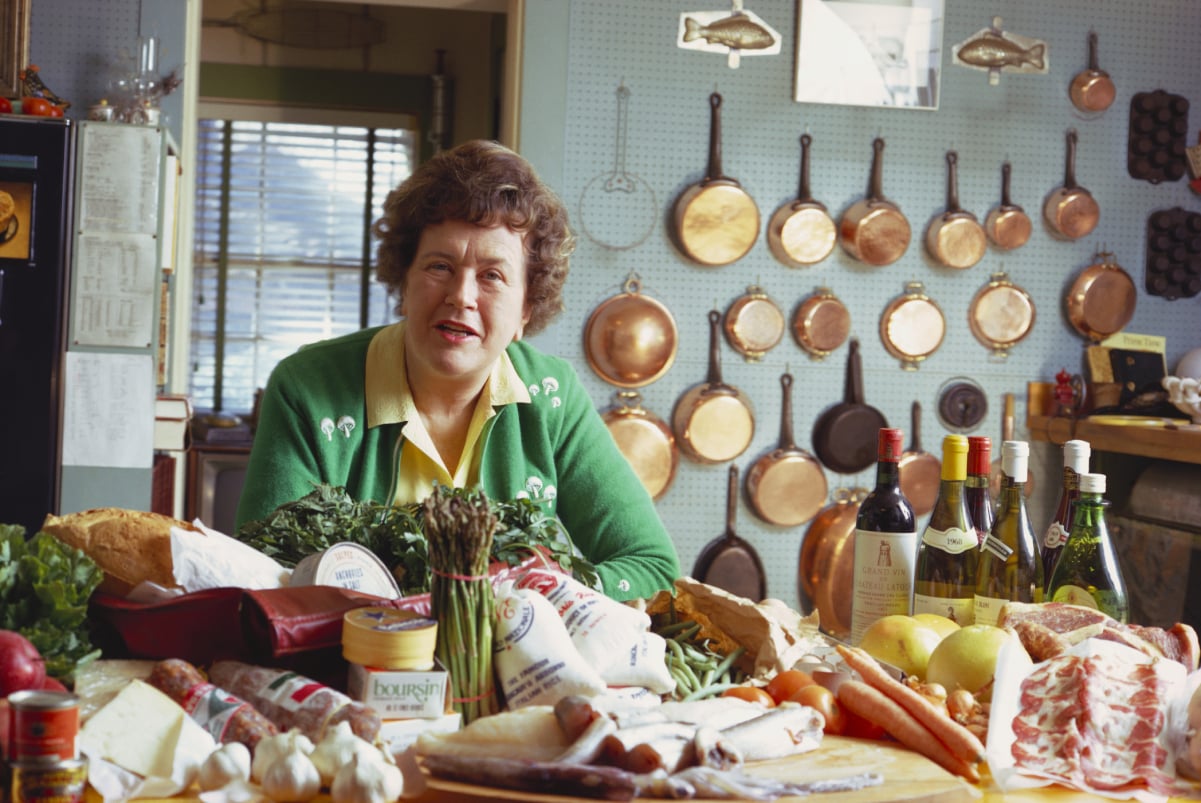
(975, 488)
(885, 543)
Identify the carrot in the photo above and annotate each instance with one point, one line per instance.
(958, 739)
(876, 706)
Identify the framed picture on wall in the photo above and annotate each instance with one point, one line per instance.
(869, 52)
(14, 44)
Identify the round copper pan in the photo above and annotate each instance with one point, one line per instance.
(825, 568)
(1001, 315)
(1101, 300)
(1092, 90)
(873, 229)
(919, 469)
(1007, 225)
(821, 323)
(1071, 211)
(713, 422)
(786, 485)
(630, 339)
(802, 233)
(955, 239)
(912, 326)
(754, 324)
(645, 440)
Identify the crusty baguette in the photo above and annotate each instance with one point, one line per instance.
(129, 546)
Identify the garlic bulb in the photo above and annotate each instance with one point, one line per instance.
(272, 747)
(292, 778)
(337, 748)
(367, 779)
(229, 762)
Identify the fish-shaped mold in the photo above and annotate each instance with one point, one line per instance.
(735, 31)
(992, 51)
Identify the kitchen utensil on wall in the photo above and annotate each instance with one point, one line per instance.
(821, 323)
(962, 404)
(617, 208)
(754, 324)
(1173, 253)
(912, 326)
(786, 485)
(1155, 149)
(713, 422)
(1007, 225)
(1000, 315)
(716, 220)
(645, 440)
(728, 561)
(802, 233)
(825, 568)
(630, 339)
(845, 435)
(1092, 90)
(1070, 210)
(1101, 300)
(919, 469)
(995, 51)
(955, 239)
(1008, 423)
(873, 229)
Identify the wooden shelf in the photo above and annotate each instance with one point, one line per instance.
(1179, 442)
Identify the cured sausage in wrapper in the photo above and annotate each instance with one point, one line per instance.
(292, 701)
(225, 716)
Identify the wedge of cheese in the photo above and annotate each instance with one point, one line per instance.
(144, 731)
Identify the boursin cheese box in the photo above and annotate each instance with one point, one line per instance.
(401, 693)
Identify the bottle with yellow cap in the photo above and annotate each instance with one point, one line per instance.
(944, 579)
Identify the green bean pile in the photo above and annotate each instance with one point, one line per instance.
(699, 671)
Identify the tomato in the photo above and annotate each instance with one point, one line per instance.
(39, 107)
(786, 684)
(55, 111)
(752, 694)
(6, 106)
(826, 704)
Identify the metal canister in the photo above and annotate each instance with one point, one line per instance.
(45, 724)
(49, 781)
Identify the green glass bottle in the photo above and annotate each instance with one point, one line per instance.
(1087, 572)
(945, 576)
(1009, 567)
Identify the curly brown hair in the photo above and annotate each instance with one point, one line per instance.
(487, 184)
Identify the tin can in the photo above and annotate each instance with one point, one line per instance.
(45, 724)
(57, 781)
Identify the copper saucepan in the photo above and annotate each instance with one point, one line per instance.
(716, 220)
(826, 566)
(802, 233)
(955, 239)
(713, 422)
(1101, 299)
(754, 324)
(873, 229)
(1092, 90)
(1000, 315)
(645, 440)
(786, 485)
(1007, 225)
(912, 326)
(630, 339)
(919, 469)
(1071, 211)
(821, 323)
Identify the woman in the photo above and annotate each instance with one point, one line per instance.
(476, 248)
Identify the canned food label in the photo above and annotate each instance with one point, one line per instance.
(49, 782)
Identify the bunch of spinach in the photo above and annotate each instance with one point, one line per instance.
(44, 590)
(329, 515)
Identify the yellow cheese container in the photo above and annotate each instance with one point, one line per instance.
(386, 638)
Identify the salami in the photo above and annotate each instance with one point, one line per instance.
(226, 717)
(291, 700)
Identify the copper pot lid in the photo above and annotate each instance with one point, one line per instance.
(912, 326)
(630, 339)
(1101, 300)
(754, 324)
(821, 323)
(645, 440)
(1001, 315)
(825, 571)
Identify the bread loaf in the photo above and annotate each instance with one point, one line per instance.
(129, 546)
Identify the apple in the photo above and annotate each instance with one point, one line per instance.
(942, 624)
(967, 659)
(21, 665)
(903, 641)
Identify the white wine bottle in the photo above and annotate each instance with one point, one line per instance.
(1087, 572)
(1010, 567)
(945, 577)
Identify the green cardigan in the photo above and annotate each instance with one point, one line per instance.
(556, 450)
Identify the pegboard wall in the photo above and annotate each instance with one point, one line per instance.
(1023, 119)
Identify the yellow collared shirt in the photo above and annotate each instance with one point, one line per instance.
(389, 401)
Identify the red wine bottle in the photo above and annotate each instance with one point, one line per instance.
(976, 491)
(1075, 462)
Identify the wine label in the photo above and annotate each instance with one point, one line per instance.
(996, 546)
(883, 571)
(954, 540)
(987, 610)
(1056, 536)
(957, 609)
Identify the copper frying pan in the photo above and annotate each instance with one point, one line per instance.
(630, 339)
(873, 229)
(713, 422)
(786, 485)
(730, 562)
(802, 233)
(825, 568)
(955, 238)
(1007, 225)
(1070, 210)
(754, 324)
(1092, 90)
(645, 440)
(716, 220)
(821, 323)
(1101, 299)
(919, 469)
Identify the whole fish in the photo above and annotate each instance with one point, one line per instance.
(993, 52)
(735, 31)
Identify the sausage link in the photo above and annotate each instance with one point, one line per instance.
(226, 717)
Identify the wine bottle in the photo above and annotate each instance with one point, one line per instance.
(1075, 463)
(975, 487)
(945, 577)
(884, 543)
(1009, 566)
(1087, 572)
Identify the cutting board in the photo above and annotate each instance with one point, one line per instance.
(908, 776)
